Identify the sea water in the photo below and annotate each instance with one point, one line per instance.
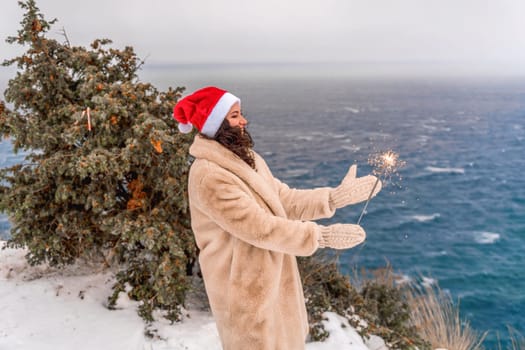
(455, 215)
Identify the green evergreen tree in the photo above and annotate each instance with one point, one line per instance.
(105, 171)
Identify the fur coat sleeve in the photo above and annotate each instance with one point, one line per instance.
(312, 204)
(230, 205)
(305, 204)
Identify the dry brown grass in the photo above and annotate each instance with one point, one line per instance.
(517, 340)
(437, 320)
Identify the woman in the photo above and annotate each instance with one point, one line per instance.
(249, 227)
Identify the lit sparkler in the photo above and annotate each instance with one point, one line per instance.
(385, 165)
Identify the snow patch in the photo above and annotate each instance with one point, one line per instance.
(340, 333)
(47, 308)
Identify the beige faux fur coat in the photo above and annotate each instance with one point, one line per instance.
(249, 228)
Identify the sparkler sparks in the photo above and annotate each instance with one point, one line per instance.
(386, 165)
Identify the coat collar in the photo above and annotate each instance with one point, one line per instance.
(213, 151)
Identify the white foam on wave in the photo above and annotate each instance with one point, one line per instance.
(437, 121)
(351, 109)
(434, 169)
(422, 139)
(425, 218)
(352, 148)
(305, 138)
(439, 253)
(487, 237)
(428, 282)
(336, 136)
(429, 127)
(402, 279)
(296, 172)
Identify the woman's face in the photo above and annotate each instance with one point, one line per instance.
(235, 117)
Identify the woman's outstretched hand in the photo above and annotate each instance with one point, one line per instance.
(353, 189)
(341, 236)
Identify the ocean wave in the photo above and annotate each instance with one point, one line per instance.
(4, 228)
(436, 254)
(305, 138)
(402, 279)
(436, 121)
(438, 170)
(337, 136)
(378, 135)
(425, 218)
(422, 139)
(428, 282)
(430, 127)
(351, 109)
(295, 173)
(487, 237)
(352, 148)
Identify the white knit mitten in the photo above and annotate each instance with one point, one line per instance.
(341, 236)
(353, 189)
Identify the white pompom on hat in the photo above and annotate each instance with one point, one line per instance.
(205, 109)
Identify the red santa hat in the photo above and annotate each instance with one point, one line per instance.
(205, 109)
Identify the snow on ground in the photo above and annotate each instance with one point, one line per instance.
(52, 309)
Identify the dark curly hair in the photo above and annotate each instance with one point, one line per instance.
(236, 140)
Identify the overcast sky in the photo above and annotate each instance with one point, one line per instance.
(466, 32)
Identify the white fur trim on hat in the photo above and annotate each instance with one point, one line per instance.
(219, 112)
(185, 128)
